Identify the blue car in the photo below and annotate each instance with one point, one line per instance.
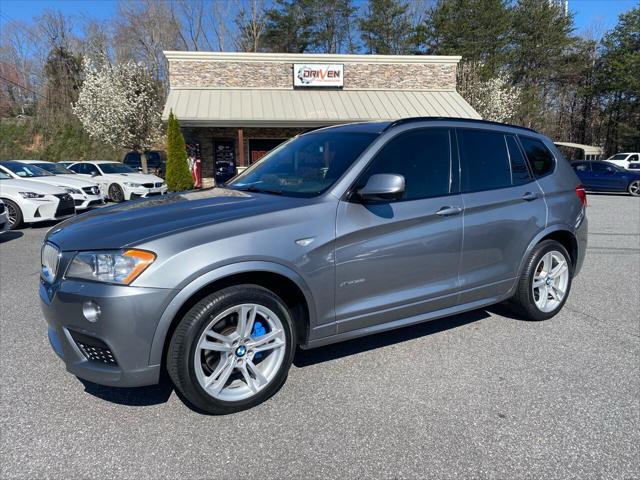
(603, 176)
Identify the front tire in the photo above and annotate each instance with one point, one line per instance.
(232, 350)
(545, 283)
(634, 188)
(14, 213)
(116, 194)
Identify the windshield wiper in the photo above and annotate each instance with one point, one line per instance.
(260, 190)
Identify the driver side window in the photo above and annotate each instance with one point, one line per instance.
(422, 157)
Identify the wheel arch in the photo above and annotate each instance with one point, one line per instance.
(281, 280)
(563, 234)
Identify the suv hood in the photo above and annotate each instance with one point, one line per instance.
(132, 223)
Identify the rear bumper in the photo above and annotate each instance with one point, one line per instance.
(582, 231)
(123, 332)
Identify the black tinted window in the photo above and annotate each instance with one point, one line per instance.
(519, 170)
(422, 157)
(540, 158)
(485, 161)
(633, 158)
(602, 167)
(78, 168)
(132, 159)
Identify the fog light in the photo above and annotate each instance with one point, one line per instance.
(91, 311)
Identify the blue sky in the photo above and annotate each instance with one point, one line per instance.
(596, 16)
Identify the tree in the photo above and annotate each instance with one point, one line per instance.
(289, 26)
(494, 98)
(386, 28)
(120, 105)
(250, 23)
(619, 83)
(178, 176)
(541, 36)
(478, 30)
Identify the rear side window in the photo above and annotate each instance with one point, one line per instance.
(540, 158)
(485, 160)
(78, 168)
(519, 170)
(423, 157)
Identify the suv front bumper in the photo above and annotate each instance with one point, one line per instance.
(114, 350)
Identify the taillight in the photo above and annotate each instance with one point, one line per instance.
(582, 195)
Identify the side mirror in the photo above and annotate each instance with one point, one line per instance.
(382, 187)
(95, 174)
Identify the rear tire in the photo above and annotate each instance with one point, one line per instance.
(116, 194)
(219, 370)
(15, 214)
(634, 188)
(549, 266)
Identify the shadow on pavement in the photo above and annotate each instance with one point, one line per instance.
(305, 358)
(132, 396)
(10, 235)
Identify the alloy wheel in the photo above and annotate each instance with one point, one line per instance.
(550, 281)
(240, 352)
(634, 188)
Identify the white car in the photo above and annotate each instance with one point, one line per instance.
(625, 160)
(122, 182)
(29, 201)
(4, 217)
(85, 194)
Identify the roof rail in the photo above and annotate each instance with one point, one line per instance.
(403, 121)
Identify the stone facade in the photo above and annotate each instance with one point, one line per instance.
(370, 76)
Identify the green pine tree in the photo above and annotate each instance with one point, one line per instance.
(178, 175)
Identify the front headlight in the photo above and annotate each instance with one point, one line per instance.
(31, 195)
(132, 185)
(74, 191)
(122, 266)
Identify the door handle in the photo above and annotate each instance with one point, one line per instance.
(529, 196)
(449, 211)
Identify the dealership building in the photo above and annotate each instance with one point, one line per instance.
(235, 107)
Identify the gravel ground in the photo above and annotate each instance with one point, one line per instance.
(477, 395)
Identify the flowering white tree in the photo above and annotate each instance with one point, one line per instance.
(494, 99)
(119, 105)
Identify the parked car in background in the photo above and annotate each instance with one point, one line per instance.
(84, 193)
(31, 202)
(225, 170)
(606, 177)
(4, 217)
(361, 234)
(67, 163)
(122, 182)
(624, 160)
(156, 162)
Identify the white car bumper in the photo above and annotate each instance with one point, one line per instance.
(142, 192)
(50, 207)
(85, 200)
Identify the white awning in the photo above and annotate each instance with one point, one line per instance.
(295, 108)
(588, 149)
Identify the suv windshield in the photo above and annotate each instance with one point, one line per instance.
(305, 166)
(54, 168)
(25, 170)
(115, 168)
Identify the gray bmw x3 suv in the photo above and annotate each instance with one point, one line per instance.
(341, 232)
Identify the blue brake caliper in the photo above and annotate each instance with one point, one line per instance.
(258, 331)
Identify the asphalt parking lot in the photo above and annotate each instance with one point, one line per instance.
(479, 395)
